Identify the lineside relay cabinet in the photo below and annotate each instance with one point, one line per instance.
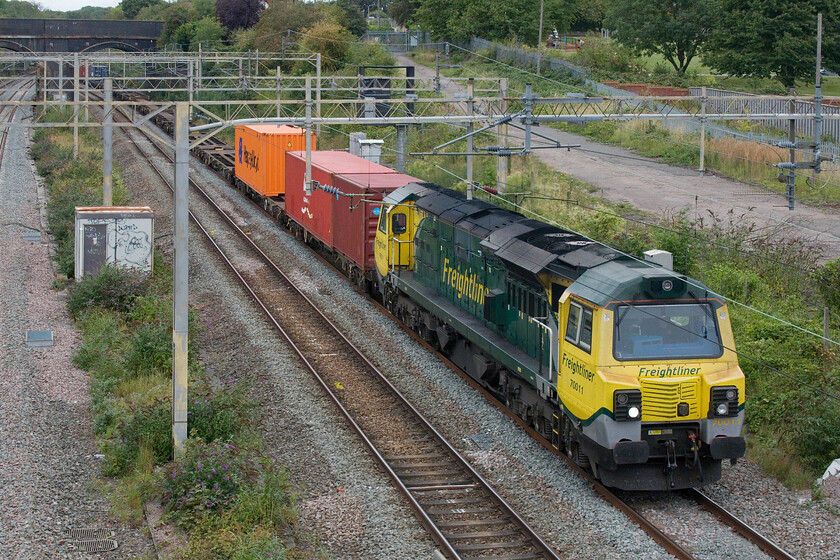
(121, 235)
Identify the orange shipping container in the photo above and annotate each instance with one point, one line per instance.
(260, 155)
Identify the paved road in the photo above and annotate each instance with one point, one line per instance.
(648, 185)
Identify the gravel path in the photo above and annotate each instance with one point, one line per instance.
(48, 468)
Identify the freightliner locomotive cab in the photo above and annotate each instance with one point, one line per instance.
(625, 366)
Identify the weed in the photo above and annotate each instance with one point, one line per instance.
(111, 288)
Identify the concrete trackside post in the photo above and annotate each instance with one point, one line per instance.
(307, 181)
(180, 328)
(470, 143)
(402, 133)
(703, 131)
(502, 164)
(318, 92)
(277, 85)
(75, 105)
(108, 146)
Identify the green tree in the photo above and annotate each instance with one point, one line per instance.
(403, 11)
(208, 31)
(18, 9)
(590, 14)
(244, 39)
(330, 39)
(131, 8)
(202, 9)
(89, 12)
(772, 38)
(283, 15)
(676, 29)
(459, 20)
(174, 16)
(348, 15)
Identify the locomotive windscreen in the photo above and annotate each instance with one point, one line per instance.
(659, 332)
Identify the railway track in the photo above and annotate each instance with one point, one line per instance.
(668, 541)
(462, 513)
(7, 114)
(752, 535)
(452, 501)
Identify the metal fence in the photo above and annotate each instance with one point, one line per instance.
(523, 58)
(400, 41)
(720, 102)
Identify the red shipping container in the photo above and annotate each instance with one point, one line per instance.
(355, 219)
(314, 212)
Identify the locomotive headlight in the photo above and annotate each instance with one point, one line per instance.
(667, 286)
(724, 401)
(627, 405)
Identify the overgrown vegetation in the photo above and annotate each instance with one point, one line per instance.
(70, 182)
(226, 494)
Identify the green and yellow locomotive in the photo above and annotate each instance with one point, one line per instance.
(626, 366)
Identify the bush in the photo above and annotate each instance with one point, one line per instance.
(736, 282)
(102, 335)
(678, 239)
(827, 280)
(217, 415)
(150, 348)
(148, 426)
(209, 478)
(233, 502)
(607, 56)
(369, 54)
(112, 288)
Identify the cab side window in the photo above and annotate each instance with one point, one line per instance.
(399, 223)
(579, 326)
(383, 224)
(573, 325)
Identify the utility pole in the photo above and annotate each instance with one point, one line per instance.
(180, 305)
(278, 78)
(502, 163)
(307, 181)
(75, 105)
(818, 118)
(402, 142)
(318, 92)
(470, 127)
(108, 146)
(703, 130)
(791, 176)
(539, 39)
